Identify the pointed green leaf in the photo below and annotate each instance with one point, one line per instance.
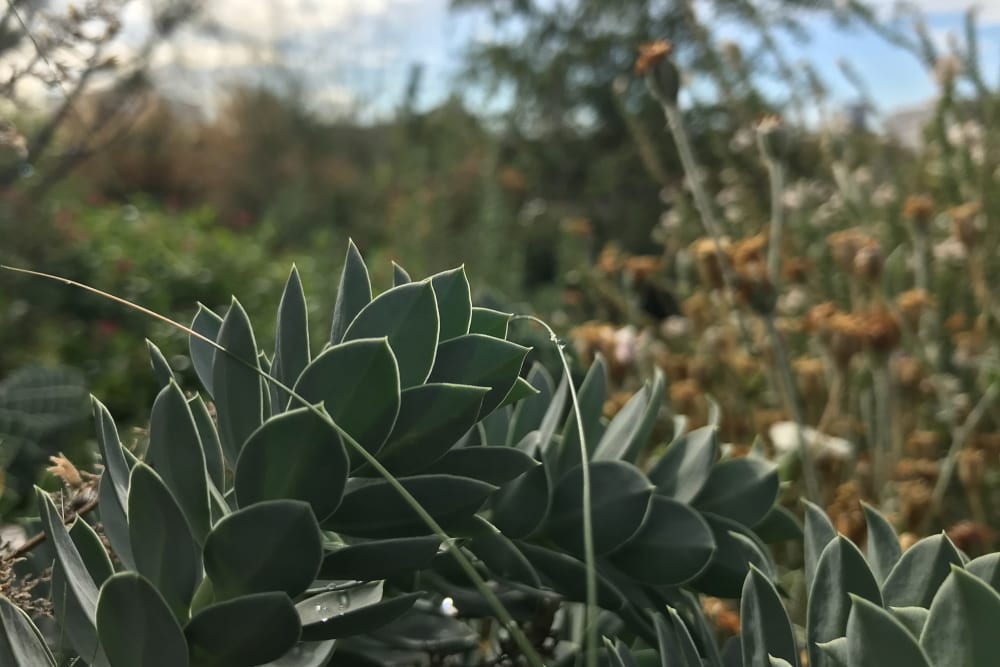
(248, 630)
(374, 509)
(399, 275)
(590, 397)
(161, 367)
(673, 545)
(164, 548)
(819, 532)
(78, 578)
(236, 385)
(883, 548)
(353, 294)
(432, 418)
(619, 499)
(677, 648)
(367, 408)
(350, 611)
(306, 654)
(528, 414)
(489, 322)
(176, 453)
(454, 301)
(209, 438)
(116, 468)
(294, 455)
(113, 519)
(207, 324)
(876, 639)
(986, 568)
(482, 361)
(493, 465)
(273, 545)
(21, 644)
(521, 505)
(840, 571)
(915, 579)
(407, 315)
(743, 490)
(835, 652)
(136, 627)
(779, 525)
(567, 576)
(736, 549)
(685, 467)
(766, 630)
(912, 618)
(88, 544)
(291, 344)
(521, 390)
(504, 559)
(961, 629)
(379, 559)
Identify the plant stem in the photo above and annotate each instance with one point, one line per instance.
(813, 490)
(463, 562)
(589, 557)
(958, 438)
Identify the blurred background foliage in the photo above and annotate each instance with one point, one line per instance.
(565, 192)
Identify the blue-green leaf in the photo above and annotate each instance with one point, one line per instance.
(207, 324)
(165, 550)
(161, 367)
(374, 509)
(482, 361)
(399, 275)
(685, 467)
(432, 418)
(239, 404)
(407, 315)
(672, 546)
(366, 409)
(248, 630)
(454, 302)
(493, 465)
(353, 294)
(21, 644)
(136, 626)
(291, 344)
(766, 630)
(175, 451)
(819, 532)
(489, 322)
(528, 414)
(209, 437)
(921, 570)
(883, 548)
(379, 559)
(619, 499)
(591, 397)
(840, 571)
(78, 578)
(350, 611)
(876, 639)
(273, 545)
(961, 629)
(294, 455)
(743, 490)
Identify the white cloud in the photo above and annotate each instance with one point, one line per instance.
(988, 11)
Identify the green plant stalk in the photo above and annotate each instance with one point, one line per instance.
(959, 436)
(589, 557)
(522, 641)
(885, 455)
(813, 490)
(776, 178)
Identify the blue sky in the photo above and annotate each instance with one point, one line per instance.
(357, 53)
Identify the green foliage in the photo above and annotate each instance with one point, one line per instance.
(300, 541)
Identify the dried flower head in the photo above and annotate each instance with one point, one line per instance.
(868, 263)
(963, 223)
(913, 304)
(651, 54)
(946, 70)
(919, 209)
(811, 375)
(923, 444)
(640, 268)
(707, 261)
(845, 244)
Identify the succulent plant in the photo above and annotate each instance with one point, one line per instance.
(265, 523)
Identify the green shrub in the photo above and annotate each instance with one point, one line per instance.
(406, 495)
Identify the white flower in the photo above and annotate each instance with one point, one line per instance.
(785, 437)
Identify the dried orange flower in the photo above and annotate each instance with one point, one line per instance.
(919, 209)
(609, 262)
(578, 226)
(913, 303)
(844, 246)
(707, 261)
(64, 469)
(811, 375)
(972, 537)
(651, 54)
(923, 444)
(971, 468)
(642, 267)
(963, 223)
(751, 250)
